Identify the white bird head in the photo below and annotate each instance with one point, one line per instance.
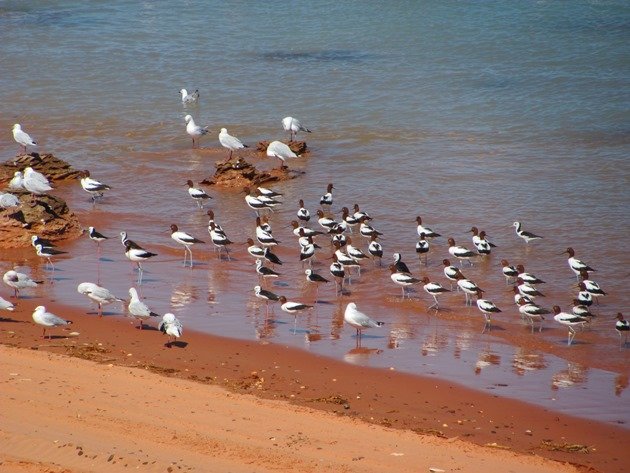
(17, 127)
(188, 118)
(351, 306)
(168, 318)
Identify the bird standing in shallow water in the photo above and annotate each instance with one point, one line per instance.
(402, 279)
(360, 321)
(575, 264)
(434, 289)
(568, 320)
(527, 236)
(198, 195)
(194, 130)
(185, 239)
(486, 307)
(623, 328)
(293, 126)
(98, 294)
(187, 98)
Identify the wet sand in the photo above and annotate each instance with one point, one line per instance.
(66, 414)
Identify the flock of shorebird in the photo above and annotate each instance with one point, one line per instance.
(346, 256)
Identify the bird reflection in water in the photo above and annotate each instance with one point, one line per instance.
(397, 336)
(574, 374)
(621, 383)
(359, 355)
(183, 294)
(525, 360)
(462, 343)
(336, 322)
(486, 358)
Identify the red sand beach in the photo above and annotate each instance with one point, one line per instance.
(207, 402)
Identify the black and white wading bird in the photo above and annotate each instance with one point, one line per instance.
(198, 195)
(527, 236)
(97, 237)
(403, 279)
(434, 289)
(186, 240)
(572, 322)
(92, 186)
(487, 308)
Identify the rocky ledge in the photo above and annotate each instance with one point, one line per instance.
(53, 168)
(46, 215)
(239, 173)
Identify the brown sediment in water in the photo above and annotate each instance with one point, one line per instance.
(382, 397)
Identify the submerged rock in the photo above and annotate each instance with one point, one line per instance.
(240, 173)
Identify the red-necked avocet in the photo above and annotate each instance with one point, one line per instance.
(527, 277)
(568, 320)
(468, 287)
(198, 195)
(460, 252)
(186, 240)
(486, 307)
(402, 279)
(422, 248)
(575, 264)
(509, 272)
(434, 289)
(532, 313)
(428, 233)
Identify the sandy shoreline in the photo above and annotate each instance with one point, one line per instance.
(414, 406)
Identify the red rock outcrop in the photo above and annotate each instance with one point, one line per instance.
(239, 173)
(47, 216)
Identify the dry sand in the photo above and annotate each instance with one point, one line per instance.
(124, 402)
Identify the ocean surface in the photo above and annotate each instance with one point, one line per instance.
(466, 113)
